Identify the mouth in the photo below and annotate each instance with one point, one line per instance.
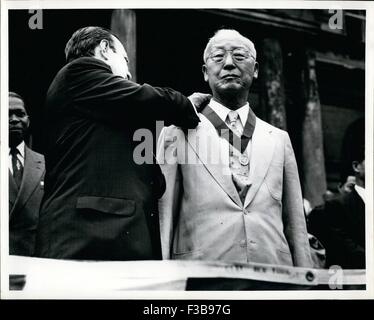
(15, 128)
(230, 76)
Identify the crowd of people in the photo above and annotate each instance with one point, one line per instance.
(224, 184)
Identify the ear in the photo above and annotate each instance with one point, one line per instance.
(103, 48)
(255, 72)
(204, 70)
(355, 165)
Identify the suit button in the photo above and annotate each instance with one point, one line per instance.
(243, 243)
(127, 233)
(245, 211)
(152, 215)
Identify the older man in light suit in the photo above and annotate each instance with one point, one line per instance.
(233, 191)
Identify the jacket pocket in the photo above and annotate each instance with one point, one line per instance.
(274, 180)
(123, 207)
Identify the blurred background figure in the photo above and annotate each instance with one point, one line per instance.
(340, 223)
(317, 250)
(26, 173)
(348, 185)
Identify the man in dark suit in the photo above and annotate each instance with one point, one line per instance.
(26, 172)
(99, 202)
(340, 224)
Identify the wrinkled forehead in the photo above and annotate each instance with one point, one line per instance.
(229, 41)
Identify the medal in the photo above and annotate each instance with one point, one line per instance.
(243, 159)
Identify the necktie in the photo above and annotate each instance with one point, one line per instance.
(233, 120)
(17, 167)
(238, 162)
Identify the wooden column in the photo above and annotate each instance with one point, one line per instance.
(272, 84)
(314, 174)
(123, 24)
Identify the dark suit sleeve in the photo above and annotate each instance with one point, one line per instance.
(342, 249)
(99, 94)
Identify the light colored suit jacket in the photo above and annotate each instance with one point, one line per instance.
(201, 214)
(24, 204)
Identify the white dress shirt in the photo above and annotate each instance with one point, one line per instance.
(223, 111)
(20, 156)
(361, 192)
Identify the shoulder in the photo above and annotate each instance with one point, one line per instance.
(263, 126)
(81, 66)
(87, 62)
(335, 207)
(36, 155)
(267, 126)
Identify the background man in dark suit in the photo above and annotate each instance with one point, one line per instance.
(340, 224)
(99, 204)
(26, 172)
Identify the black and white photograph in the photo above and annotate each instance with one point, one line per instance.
(211, 150)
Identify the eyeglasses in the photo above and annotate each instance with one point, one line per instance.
(238, 55)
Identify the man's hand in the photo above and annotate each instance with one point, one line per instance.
(200, 100)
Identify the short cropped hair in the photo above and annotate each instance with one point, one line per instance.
(232, 32)
(16, 95)
(84, 41)
(13, 94)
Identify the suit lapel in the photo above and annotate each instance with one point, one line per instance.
(32, 174)
(13, 192)
(207, 145)
(261, 155)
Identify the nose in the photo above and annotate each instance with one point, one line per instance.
(228, 61)
(13, 118)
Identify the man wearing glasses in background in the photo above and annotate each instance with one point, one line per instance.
(247, 207)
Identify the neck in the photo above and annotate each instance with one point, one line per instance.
(360, 182)
(14, 142)
(231, 101)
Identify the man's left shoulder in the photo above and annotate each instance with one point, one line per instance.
(263, 125)
(35, 155)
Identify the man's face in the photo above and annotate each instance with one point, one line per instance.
(359, 168)
(348, 185)
(118, 60)
(18, 121)
(235, 73)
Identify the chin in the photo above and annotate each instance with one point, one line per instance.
(16, 134)
(232, 87)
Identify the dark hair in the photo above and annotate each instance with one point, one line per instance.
(84, 41)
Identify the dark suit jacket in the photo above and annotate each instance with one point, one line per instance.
(24, 204)
(99, 204)
(340, 226)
